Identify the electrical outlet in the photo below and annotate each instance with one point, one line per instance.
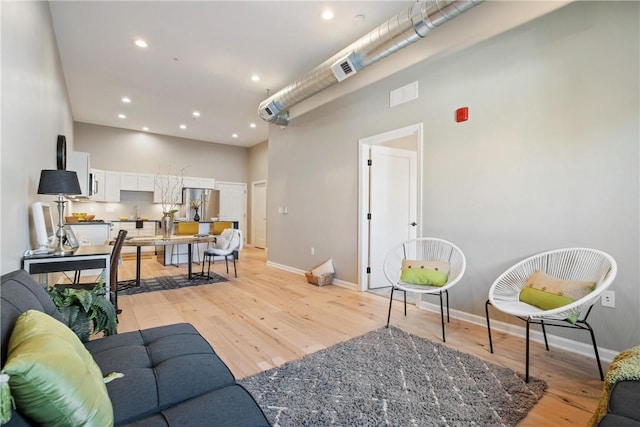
(313, 250)
(609, 299)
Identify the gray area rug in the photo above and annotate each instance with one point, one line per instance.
(390, 377)
(163, 283)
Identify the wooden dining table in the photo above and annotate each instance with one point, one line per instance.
(159, 240)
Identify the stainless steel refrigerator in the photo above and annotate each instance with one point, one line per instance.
(204, 202)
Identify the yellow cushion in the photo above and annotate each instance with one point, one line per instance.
(53, 378)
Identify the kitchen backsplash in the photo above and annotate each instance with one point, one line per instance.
(129, 200)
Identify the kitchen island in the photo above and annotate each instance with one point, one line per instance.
(178, 253)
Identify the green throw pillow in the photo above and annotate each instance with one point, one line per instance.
(547, 292)
(53, 378)
(423, 276)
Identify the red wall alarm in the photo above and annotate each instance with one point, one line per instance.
(462, 114)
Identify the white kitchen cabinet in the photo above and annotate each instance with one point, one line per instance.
(209, 183)
(98, 184)
(79, 162)
(106, 186)
(112, 186)
(128, 181)
(131, 181)
(146, 182)
(191, 182)
(197, 182)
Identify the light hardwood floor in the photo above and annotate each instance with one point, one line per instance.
(267, 317)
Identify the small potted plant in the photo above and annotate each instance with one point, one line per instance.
(86, 311)
(195, 205)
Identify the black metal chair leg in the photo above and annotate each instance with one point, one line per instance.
(544, 334)
(442, 318)
(209, 268)
(526, 377)
(486, 310)
(447, 293)
(405, 302)
(390, 301)
(595, 350)
(235, 272)
(226, 261)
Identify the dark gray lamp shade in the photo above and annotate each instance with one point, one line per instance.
(58, 182)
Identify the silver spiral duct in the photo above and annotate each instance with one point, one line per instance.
(405, 28)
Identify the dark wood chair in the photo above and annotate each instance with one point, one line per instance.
(113, 277)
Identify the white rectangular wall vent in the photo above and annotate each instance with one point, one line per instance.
(403, 94)
(267, 111)
(344, 68)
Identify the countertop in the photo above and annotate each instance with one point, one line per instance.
(88, 223)
(133, 220)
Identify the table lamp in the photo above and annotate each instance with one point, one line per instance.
(61, 183)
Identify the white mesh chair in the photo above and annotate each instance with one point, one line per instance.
(424, 249)
(578, 264)
(228, 245)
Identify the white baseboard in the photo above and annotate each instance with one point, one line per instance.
(344, 284)
(577, 347)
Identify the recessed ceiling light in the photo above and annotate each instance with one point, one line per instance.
(144, 128)
(359, 18)
(126, 99)
(122, 116)
(235, 135)
(255, 78)
(327, 15)
(141, 43)
(183, 126)
(196, 114)
(252, 125)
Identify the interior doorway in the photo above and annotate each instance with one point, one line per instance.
(389, 192)
(259, 214)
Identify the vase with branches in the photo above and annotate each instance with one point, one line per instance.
(195, 205)
(169, 188)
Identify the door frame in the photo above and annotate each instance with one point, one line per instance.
(254, 184)
(363, 190)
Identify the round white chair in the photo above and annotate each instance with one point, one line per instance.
(428, 249)
(568, 264)
(228, 245)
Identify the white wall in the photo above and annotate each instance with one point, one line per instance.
(35, 110)
(132, 151)
(258, 171)
(549, 157)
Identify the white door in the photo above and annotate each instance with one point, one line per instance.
(393, 205)
(233, 203)
(259, 214)
(388, 183)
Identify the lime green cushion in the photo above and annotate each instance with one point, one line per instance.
(53, 378)
(421, 272)
(547, 292)
(543, 300)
